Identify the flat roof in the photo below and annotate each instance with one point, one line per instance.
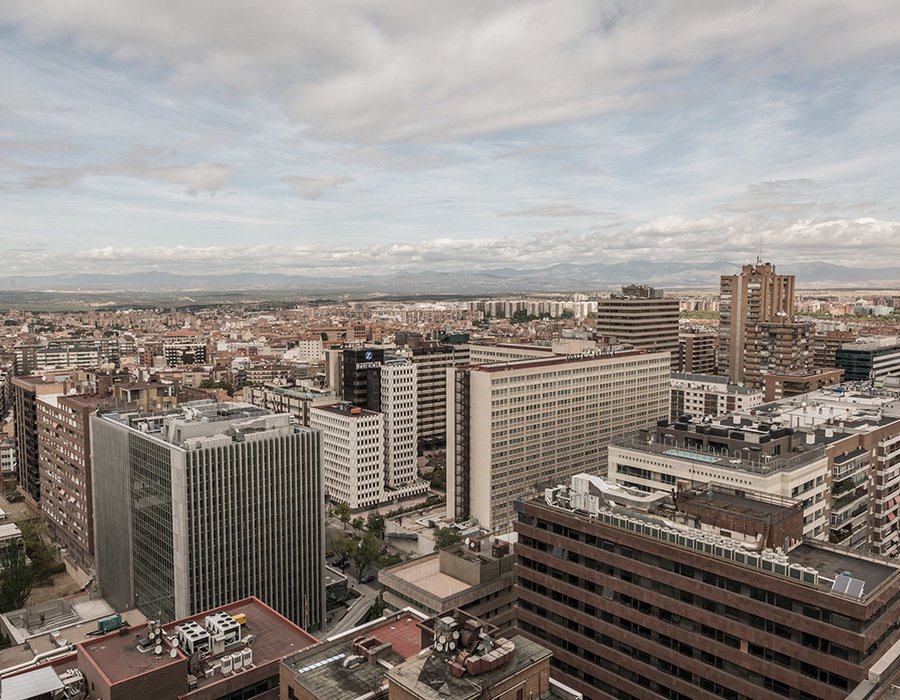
(116, 655)
(429, 677)
(425, 573)
(831, 562)
(507, 365)
(321, 669)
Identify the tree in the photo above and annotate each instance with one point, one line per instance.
(375, 524)
(446, 537)
(357, 523)
(15, 578)
(342, 511)
(367, 551)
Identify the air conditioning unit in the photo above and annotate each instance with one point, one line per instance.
(248, 657)
(227, 665)
(237, 661)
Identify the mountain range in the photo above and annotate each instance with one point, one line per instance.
(559, 277)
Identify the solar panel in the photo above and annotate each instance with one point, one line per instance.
(855, 587)
(840, 584)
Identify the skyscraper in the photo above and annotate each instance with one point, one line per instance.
(755, 297)
(208, 504)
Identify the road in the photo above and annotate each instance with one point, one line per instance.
(357, 611)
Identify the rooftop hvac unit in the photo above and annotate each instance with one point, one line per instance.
(719, 550)
(740, 556)
(227, 665)
(753, 559)
(221, 623)
(795, 571)
(781, 568)
(728, 550)
(811, 575)
(709, 547)
(248, 657)
(237, 661)
(768, 564)
(672, 535)
(651, 530)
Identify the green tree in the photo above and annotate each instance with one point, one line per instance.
(446, 537)
(358, 524)
(15, 578)
(375, 524)
(342, 511)
(366, 552)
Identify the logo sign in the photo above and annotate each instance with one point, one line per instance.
(368, 355)
(367, 365)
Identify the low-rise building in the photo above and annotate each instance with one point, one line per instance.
(780, 385)
(459, 577)
(700, 395)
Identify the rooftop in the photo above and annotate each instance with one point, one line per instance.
(324, 670)
(428, 675)
(118, 658)
(345, 409)
(425, 573)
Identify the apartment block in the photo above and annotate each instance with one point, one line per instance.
(756, 296)
(399, 405)
(780, 385)
(700, 395)
(697, 350)
(184, 347)
(208, 504)
(780, 347)
(431, 364)
(514, 427)
(684, 598)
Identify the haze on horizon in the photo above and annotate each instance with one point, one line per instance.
(342, 137)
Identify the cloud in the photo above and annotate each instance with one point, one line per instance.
(313, 188)
(394, 72)
(560, 210)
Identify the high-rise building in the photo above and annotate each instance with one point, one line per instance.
(352, 453)
(399, 405)
(779, 347)
(208, 504)
(64, 450)
(432, 363)
(643, 317)
(184, 347)
(517, 426)
(697, 351)
(827, 342)
(25, 393)
(756, 296)
(711, 595)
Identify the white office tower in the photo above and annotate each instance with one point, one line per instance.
(198, 507)
(399, 405)
(352, 453)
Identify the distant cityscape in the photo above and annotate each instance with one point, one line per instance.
(630, 493)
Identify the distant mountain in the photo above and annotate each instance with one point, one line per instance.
(559, 277)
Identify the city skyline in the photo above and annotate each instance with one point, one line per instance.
(324, 139)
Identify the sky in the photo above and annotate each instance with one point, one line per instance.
(334, 137)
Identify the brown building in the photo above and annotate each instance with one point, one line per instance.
(756, 296)
(697, 351)
(827, 343)
(779, 385)
(25, 394)
(782, 346)
(231, 652)
(684, 600)
(460, 577)
(64, 451)
(641, 316)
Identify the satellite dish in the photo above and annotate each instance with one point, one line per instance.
(175, 641)
(173, 653)
(442, 639)
(456, 634)
(152, 634)
(158, 649)
(468, 541)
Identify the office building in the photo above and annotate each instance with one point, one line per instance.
(697, 350)
(517, 426)
(642, 317)
(780, 385)
(869, 358)
(700, 395)
(399, 405)
(712, 595)
(431, 390)
(462, 577)
(756, 296)
(25, 393)
(352, 453)
(296, 400)
(208, 504)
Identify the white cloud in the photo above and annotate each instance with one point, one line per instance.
(313, 188)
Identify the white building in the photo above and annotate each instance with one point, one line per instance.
(8, 458)
(399, 404)
(700, 395)
(518, 426)
(352, 453)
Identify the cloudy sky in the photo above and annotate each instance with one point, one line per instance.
(323, 137)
